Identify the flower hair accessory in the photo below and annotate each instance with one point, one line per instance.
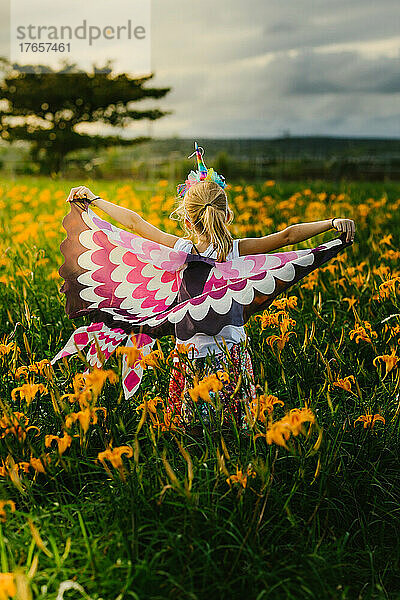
(202, 173)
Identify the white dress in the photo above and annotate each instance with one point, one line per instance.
(232, 334)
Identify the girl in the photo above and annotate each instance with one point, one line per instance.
(205, 213)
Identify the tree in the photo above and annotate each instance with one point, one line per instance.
(50, 104)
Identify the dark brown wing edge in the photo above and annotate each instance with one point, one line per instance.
(321, 256)
(70, 270)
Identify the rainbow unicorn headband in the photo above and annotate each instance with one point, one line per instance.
(202, 173)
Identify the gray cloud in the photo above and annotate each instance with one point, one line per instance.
(260, 67)
(338, 93)
(336, 72)
(309, 24)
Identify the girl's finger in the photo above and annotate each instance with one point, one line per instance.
(71, 194)
(81, 191)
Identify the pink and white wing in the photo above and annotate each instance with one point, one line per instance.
(132, 376)
(125, 275)
(107, 338)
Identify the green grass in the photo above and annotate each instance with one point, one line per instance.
(313, 524)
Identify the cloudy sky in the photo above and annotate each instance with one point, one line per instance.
(258, 68)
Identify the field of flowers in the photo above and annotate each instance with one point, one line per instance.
(106, 498)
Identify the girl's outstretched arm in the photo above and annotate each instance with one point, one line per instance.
(303, 231)
(128, 218)
(294, 234)
(265, 244)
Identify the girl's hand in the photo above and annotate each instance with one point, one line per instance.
(346, 225)
(80, 192)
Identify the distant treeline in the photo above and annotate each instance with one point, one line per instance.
(316, 157)
(284, 147)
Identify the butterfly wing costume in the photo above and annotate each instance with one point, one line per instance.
(126, 284)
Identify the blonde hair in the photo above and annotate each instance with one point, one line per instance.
(205, 205)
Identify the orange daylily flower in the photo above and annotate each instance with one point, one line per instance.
(264, 404)
(223, 376)
(28, 391)
(267, 319)
(62, 442)
(381, 271)
(182, 349)
(392, 254)
(363, 332)
(10, 467)
(132, 354)
(279, 339)
(6, 468)
(311, 280)
(344, 383)
(291, 424)
(297, 416)
(22, 371)
(85, 417)
(16, 424)
(352, 301)
(3, 514)
(390, 360)
(152, 359)
(202, 389)
(96, 379)
(151, 408)
(37, 463)
(171, 422)
(279, 318)
(387, 286)
(151, 404)
(283, 303)
(241, 477)
(285, 324)
(40, 366)
(6, 348)
(23, 466)
(279, 432)
(369, 419)
(387, 239)
(8, 589)
(87, 386)
(114, 456)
